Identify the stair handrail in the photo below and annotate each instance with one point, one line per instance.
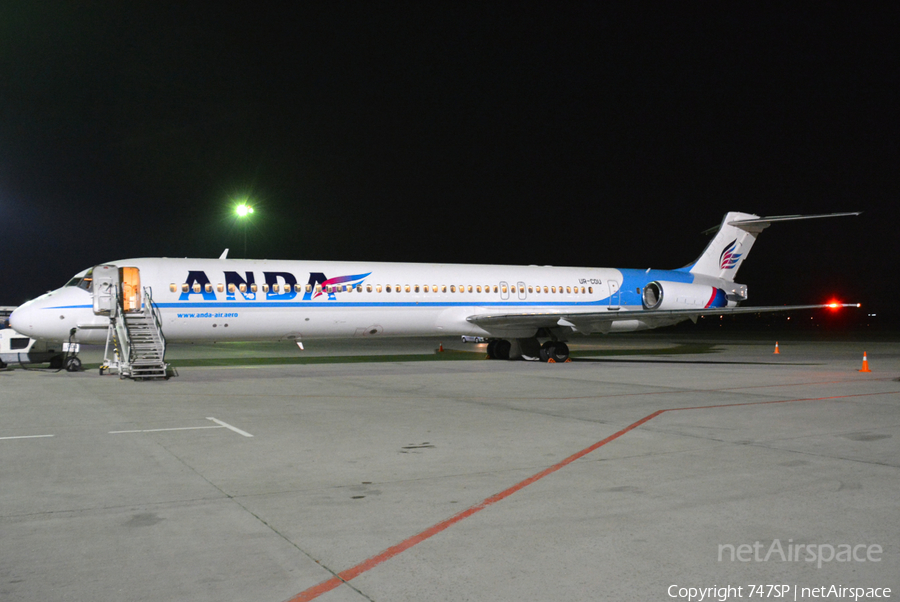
(157, 317)
(122, 335)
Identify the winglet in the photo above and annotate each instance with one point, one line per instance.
(224, 254)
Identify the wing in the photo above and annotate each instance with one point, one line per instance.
(601, 321)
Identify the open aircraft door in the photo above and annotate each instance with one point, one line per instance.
(104, 286)
(131, 289)
(110, 282)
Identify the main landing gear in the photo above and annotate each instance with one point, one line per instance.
(554, 351)
(528, 349)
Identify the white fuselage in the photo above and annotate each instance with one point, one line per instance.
(236, 300)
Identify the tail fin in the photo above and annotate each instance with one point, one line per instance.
(729, 247)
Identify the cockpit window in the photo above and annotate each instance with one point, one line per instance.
(82, 281)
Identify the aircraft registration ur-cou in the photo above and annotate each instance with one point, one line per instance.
(521, 311)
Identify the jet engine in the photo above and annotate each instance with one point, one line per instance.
(681, 295)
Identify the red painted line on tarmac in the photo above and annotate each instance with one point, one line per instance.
(353, 572)
(758, 403)
(347, 575)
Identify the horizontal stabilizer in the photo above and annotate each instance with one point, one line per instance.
(760, 224)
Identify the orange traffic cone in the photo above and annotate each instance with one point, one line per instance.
(865, 367)
(440, 347)
(776, 348)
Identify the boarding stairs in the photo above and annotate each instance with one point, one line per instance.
(139, 343)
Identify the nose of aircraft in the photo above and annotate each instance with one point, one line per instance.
(19, 320)
(49, 317)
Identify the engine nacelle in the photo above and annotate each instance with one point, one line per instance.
(681, 295)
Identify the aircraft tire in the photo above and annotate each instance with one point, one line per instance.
(73, 364)
(502, 349)
(547, 350)
(560, 352)
(492, 349)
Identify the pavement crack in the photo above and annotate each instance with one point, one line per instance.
(264, 522)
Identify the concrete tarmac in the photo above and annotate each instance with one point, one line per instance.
(661, 461)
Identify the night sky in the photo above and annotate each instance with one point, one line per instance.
(591, 134)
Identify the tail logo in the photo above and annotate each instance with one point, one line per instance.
(729, 258)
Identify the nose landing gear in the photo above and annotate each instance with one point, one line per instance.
(71, 362)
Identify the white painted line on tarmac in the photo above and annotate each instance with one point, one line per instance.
(27, 437)
(183, 428)
(228, 426)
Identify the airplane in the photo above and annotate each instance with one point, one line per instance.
(523, 312)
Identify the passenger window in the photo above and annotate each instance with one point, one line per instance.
(553, 289)
(208, 288)
(275, 288)
(265, 288)
(358, 288)
(591, 290)
(452, 288)
(387, 288)
(478, 288)
(569, 289)
(503, 289)
(470, 288)
(368, 288)
(309, 288)
(242, 287)
(197, 287)
(407, 288)
(231, 288)
(173, 288)
(397, 288)
(530, 289)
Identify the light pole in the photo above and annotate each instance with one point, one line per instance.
(243, 212)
